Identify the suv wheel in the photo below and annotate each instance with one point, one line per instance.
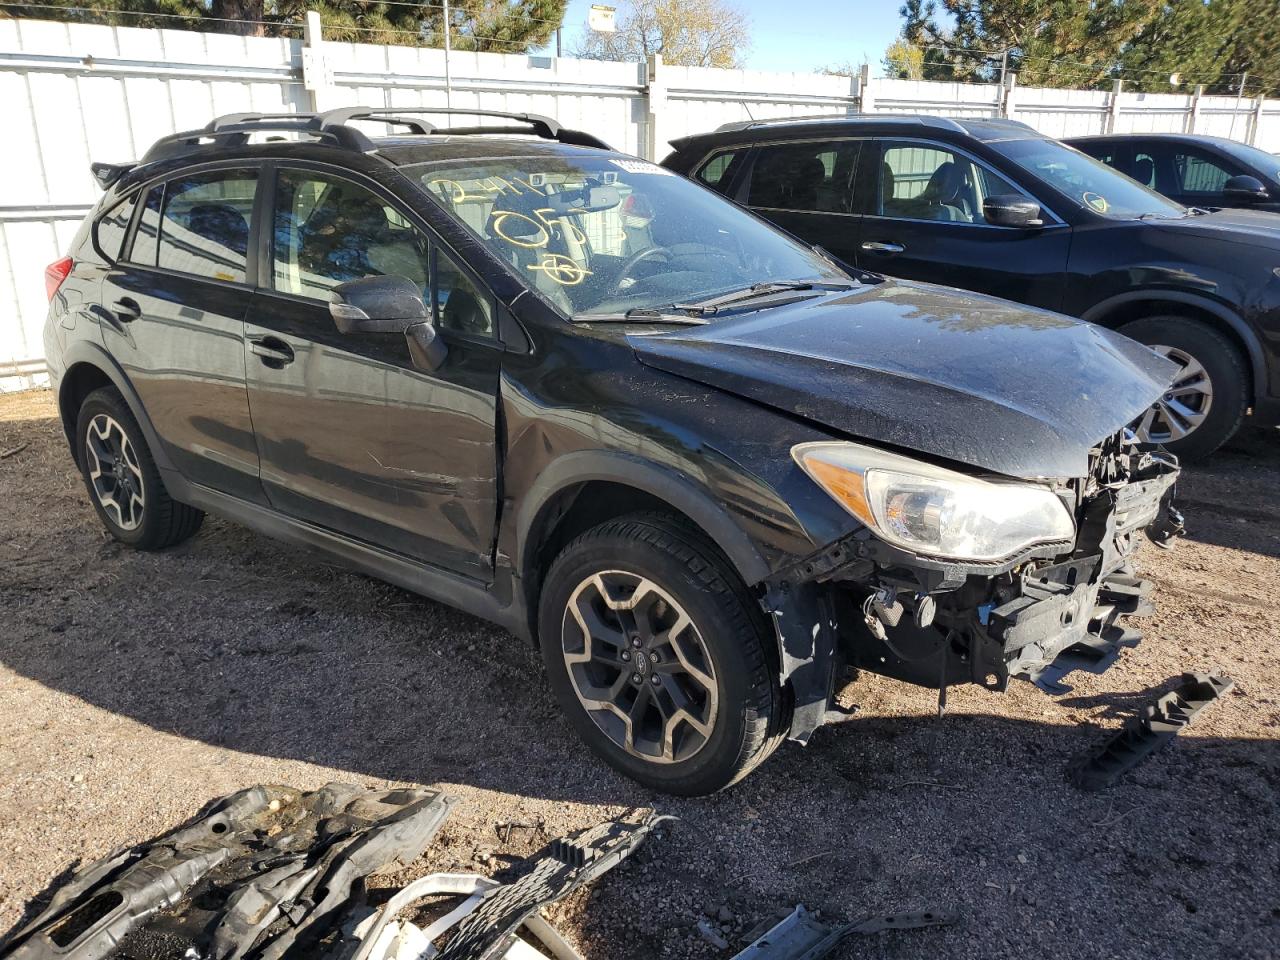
(1206, 403)
(658, 656)
(124, 484)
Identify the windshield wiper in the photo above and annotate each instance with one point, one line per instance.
(758, 290)
(642, 315)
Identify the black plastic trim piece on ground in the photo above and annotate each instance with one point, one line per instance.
(1156, 724)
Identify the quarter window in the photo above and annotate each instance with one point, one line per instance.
(329, 231)
(815, 177)
(110, 229)
(719, 171)
(204, 226)
(927, 182)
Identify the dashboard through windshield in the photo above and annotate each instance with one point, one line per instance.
(1088, 182)
(607, 235)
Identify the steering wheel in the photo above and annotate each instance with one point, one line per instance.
(624, 272)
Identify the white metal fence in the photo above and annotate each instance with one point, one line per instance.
(75, 92)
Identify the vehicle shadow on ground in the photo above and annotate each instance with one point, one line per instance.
(1229, 499)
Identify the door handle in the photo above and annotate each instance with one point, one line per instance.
(273, 351)
(884, 249)
(126, 309)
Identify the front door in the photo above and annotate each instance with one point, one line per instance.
(351, 435)
(923, 221)
(175, 323)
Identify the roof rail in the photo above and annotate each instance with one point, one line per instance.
(234, 129)
(926, 119)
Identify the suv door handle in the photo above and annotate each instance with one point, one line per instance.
(884, 249)
(273, 351)
(126, 309)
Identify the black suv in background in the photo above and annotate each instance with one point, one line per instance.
(1194, 170)
(575, 394)
(993, 206)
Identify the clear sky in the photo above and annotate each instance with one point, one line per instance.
(801, 35)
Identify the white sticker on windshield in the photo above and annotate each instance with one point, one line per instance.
(641, 166)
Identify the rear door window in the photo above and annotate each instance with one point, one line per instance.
(813, 177)
(146, 238)
(204, 224)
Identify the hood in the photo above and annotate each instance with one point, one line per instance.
(1255, 227)
(949, 374)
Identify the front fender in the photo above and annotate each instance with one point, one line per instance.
(671, 486)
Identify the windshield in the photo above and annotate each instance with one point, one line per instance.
(606, 235)
(1089, 182)
(1264, 164)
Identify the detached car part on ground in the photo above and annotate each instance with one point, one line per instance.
(703, 466)
(272, 873)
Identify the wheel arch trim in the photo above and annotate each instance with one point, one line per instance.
(671, 486)
(1254, 355)
(83, 353)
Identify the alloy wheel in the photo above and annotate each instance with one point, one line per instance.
(640, 667)
(114, 472)
(1184, 405)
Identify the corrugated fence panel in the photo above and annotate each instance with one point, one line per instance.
(76, 92)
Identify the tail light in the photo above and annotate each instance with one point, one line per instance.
(55, 273)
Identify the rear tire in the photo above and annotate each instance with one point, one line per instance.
(1213, 387)
(122, 478)
(718, 666)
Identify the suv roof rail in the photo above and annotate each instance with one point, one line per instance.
(233, 129)
(926, 119)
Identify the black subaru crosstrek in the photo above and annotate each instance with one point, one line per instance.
(702, 465)
(995, 207)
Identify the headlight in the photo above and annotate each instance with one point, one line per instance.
(929, 510)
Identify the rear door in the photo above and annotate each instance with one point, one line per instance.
(174, 320)
(806, 188)
(922, 220)
(351, 435)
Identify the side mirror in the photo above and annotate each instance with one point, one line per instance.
(1245, 188)
(377, 305)
(1012, 210)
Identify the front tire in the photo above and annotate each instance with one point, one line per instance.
(122, 478)
(660, 657)
(1206, 403)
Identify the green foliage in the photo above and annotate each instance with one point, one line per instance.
(1072, 43)
(496, 26)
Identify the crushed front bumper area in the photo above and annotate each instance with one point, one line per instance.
(935, 623)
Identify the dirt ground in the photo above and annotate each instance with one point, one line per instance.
(134, 687)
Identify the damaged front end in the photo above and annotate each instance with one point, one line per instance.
(1056, 604)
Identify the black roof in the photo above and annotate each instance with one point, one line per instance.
(980, 128)
(1174, 137)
